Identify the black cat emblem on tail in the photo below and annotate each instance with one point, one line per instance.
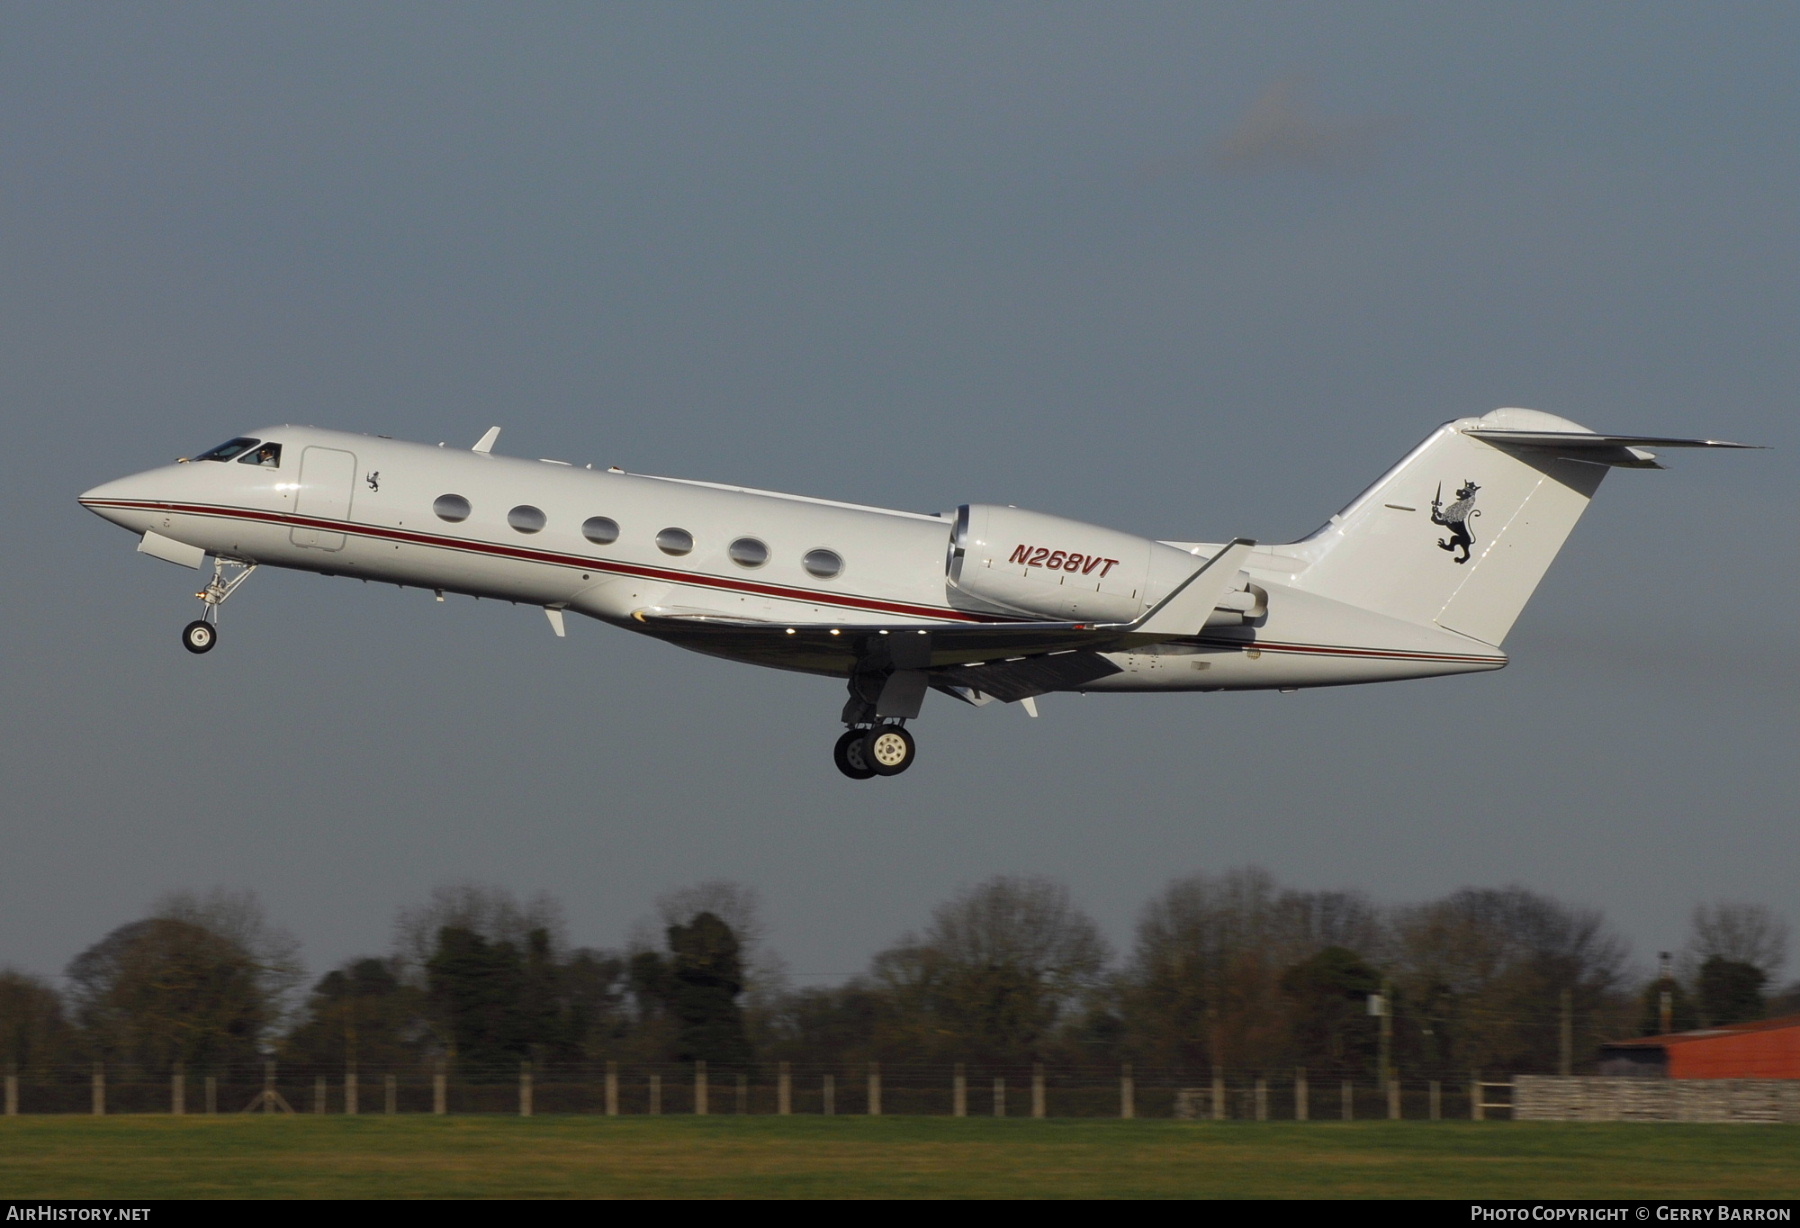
(1456, 518)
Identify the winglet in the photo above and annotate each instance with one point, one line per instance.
(1185, 611)
(487, 441)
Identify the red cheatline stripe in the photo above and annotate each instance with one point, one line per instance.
(1327, 650)
(729, 585)
(563, 560)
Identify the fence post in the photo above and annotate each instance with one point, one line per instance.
(525, 1089)
(1437, 1101)
(1347, 1097)
(440, 1089)
(350, 1089)
(828, 1092)
(784, 1089)
(743, 1096)
(320, 1093)
(959, 1093)
(212, 1093)
(178, 1090)
(999, 1095)
(1566, 1066)
(1476, 1112)
(1127, 1092)
(612, 1089)
(99, 1089)
(1393, 1091)
(874, 1089)
(12, 1089)
(1037, 1090)
(393, 1095)
(655, 1095)
(1301, 1108)
(1218, 1096)
(1262, 1098)
(700, 1105)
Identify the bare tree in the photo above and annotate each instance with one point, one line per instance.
(1204, 984)
(236, 915)
(35, 1036)
(486, 909)
(160, 990)
(1742, 933)
(996, 971)
(1481, 975)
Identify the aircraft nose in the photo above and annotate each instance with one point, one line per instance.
(120, 501)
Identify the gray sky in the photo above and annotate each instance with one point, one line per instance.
(1190, 271)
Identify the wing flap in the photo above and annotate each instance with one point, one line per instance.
(838, 649)
(1011, 681)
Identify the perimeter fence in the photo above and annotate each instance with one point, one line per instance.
(629, 1089)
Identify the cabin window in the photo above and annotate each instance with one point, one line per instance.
(526, 518)
(675, 541)
(453, 508)
(825, 564)
(748, 552)
(227, 450)
(601, 530)
(267, 455)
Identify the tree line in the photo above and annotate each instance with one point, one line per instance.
(1230, 970)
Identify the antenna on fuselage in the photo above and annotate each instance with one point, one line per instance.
(486, 443)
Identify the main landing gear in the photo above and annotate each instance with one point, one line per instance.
(201, 634)
(880, 750)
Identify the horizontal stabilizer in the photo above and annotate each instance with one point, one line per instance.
(1580, 439)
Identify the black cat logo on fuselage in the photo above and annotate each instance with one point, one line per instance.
(1456, 518)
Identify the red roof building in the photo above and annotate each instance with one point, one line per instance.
(1763, 1049)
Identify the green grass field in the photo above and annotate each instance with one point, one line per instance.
(890, 1157)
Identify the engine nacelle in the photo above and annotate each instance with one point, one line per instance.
(1004, 560)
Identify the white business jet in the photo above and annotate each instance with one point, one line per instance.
(1422, 574)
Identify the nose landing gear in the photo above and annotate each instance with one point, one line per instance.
(201, 634)
(881, 750)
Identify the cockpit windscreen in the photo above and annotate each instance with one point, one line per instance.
(227, 450)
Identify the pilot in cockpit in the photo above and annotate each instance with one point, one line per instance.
(266, 454)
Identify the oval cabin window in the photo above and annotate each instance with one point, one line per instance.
(453, 508)
(748, 552)
(601, 530)
(525, 518)
(675, 541)
(825, 564)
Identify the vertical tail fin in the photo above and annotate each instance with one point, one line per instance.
(1460, 532)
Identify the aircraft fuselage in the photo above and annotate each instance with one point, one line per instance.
(354, 505)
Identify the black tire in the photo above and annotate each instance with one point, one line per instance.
(889, 750)
(199, 636)
(848, 755)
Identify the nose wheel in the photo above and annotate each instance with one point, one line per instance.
(884, 750)
(228, 574)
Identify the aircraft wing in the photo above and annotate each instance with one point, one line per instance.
(839, 648)
(828, 648)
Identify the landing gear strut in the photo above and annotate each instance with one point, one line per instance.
(201, 634)
(881, 750)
